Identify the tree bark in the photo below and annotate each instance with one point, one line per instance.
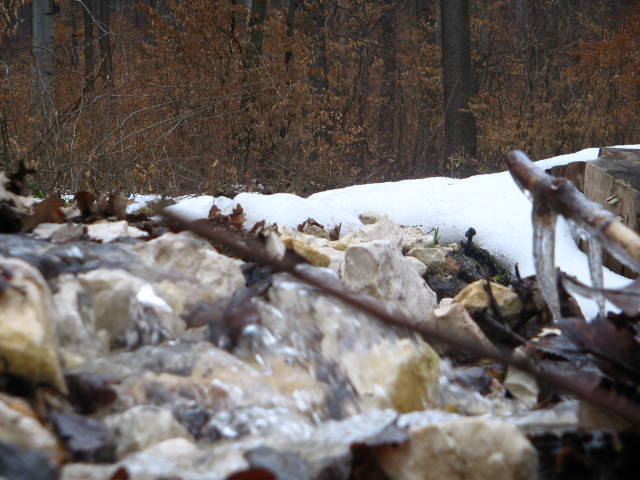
(256, 22)
(42, 62)
(89, 13)
(460, 131)
(388, 108)
(104, 41)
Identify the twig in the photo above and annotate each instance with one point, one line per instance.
(251, 250)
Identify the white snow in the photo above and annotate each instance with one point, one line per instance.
(492, 204)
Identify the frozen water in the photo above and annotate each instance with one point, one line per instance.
(544, 241)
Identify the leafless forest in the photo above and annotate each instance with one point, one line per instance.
(196, 96)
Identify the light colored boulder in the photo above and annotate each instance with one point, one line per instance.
(336, 258)
(522, 386)
(378, 269)
(27, 339)
(420, 267)
(186, 254)
(20, 425)
(128, 309)
(142, 426)
(458, 448)
(434, 258)
(474, 296)
(415, 237)
(384, 229)
(456, 321)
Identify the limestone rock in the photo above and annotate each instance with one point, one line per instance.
(371, 364)
(369, 218)
(420, 267)
(384, 229)
(474, 296)
(20, 425)
(128, 309)
(458, 448)
(415, 237)
(523, 386)
(142, 426)
(336, 258)
(188, 255)
(434, 258)
(27, 340)
(315, 256)
(455, 320)
(378, 269)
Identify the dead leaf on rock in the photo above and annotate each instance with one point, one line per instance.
(85, 437)
(47, 211)
(237, 217)
(86, 203)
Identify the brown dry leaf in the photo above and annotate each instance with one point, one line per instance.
(214, 212)
(47, 211)
(237, 217)
(86, 202)
(113, 205)
(334, 233)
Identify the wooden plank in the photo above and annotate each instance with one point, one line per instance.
(613, 180)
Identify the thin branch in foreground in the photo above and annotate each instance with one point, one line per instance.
(251, 250)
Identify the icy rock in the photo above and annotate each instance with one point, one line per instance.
(27, 339)
(20, 425)
(188, 255)
(364, 362)
(369, 218)
(142, 426)
(458, 448)
(433, 257)
(76, 334)
(378, 269)
(106, 232)
(385, 229)
(455, 320)
(128, 310)
(415, 237)
(474, 296)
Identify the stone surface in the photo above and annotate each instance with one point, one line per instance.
(474, 296)
(523, 386)
(455, 320)
(369, 218)
(415, 237)
(458, 448)
(369, 363)
(128, 309)
(336, 259)
(27, 339)
(385, 229)
(420, 267)
(378, 269)
(20, 425)
(142, 426)
(434, 258)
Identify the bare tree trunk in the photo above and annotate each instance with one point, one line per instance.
(256, 22)
(89, 13)
(42, 63)
(388, 108)
(104, 41)
(291, 26)
(460, 131)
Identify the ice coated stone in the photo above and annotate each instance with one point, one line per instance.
(460, 448)
(128, 310)
(27, 340)
(433, 257)
(142, 426)
(378, 269)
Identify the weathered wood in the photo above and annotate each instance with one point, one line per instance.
(613, 180)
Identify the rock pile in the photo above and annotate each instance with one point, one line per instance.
(144, 356)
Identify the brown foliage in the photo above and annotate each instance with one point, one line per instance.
(341, 92)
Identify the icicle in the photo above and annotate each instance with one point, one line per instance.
(595, 269)
(544, 236)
